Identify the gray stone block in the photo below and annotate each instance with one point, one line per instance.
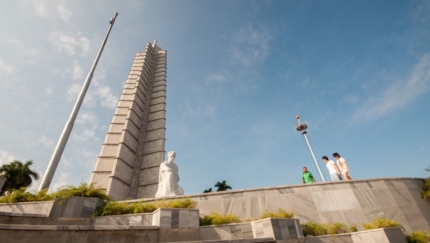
(279, 229)
(175, 218)
(75, 207)
(142, 219)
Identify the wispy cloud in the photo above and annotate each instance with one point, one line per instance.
(250, 45)
(65, 13)
(6, 157)
(398, 95)
(77, 71)
(51, 9)
(70, 44)
(6, 68)
(108, 100)
(45, 141)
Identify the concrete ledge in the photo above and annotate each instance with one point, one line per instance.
(23, 214)
(38, 208)
(73, 227)
(42, 221)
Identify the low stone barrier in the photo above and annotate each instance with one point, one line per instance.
(73, 207)
(30, 208)
(386, 235)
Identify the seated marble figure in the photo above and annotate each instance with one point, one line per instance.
(168, 178)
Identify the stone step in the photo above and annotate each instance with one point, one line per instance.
(36, 220)
(74, 227)
(229, 241)
(17, 214)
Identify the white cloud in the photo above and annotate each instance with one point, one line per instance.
(62, 180)
(217, 77)
(250, 45)
(51, 9)
(71, 44)
(73, 92)
(108, 99)
(49, 91)
(199, 111)
(65, 14)
(77, 71)
(6, 157)
(398, 95)
(87, 118)
(45, 141)
(6, 68)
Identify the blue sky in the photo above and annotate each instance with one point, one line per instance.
(238, 73)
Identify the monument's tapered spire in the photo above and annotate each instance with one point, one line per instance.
(133, 150)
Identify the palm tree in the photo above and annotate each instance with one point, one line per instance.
(17, 175)
(208, 190)
(222, 186)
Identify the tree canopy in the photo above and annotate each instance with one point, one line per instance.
(17, 175)
(222, 186)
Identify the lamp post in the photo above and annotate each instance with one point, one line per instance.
(301, 127)
(56, 156)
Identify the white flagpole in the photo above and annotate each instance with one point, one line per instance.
(56, 156)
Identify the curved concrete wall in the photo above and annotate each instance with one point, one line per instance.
(351, 202)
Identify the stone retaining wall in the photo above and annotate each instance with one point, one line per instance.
(351, 202)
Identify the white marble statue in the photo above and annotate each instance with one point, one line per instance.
(168, 178)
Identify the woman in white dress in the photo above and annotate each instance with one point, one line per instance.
(343, 166)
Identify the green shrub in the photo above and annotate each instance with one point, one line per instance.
(353, 228)
(117, 208)
(216, 219)
(381, 223)
(20, 195)
(280, 214)
(337, 228)
(315, 229)
(176, 203)
(83, 190)
(418, 237)
(426, 189)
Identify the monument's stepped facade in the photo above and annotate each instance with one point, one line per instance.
(134, 147)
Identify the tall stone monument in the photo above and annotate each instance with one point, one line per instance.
(133, 150)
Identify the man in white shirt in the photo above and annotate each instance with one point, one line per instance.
(332, 169)
(341, 162)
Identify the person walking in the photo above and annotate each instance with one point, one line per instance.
(307, 176)
(341, 162)
(332, 169)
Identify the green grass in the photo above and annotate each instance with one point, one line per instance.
(118, 208)
(83, 190)
(418, 237)
(381, 223)
(215, 218)
(279, 214)
(21, 195)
